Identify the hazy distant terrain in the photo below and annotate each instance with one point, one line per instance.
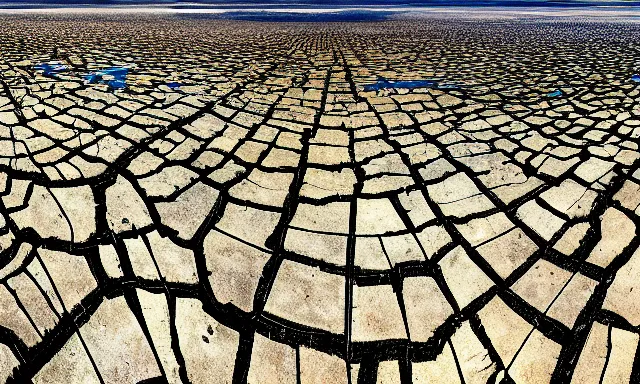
(314, 3)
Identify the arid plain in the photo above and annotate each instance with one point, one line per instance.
(422, 200)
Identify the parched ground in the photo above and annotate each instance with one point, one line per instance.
(269, 221)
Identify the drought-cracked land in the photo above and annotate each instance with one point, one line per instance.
(245, 210)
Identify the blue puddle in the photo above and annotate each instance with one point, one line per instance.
(556, 93)
(116, 76)
(635, 78)
(119, 75)
(50, 69)
(408, 84)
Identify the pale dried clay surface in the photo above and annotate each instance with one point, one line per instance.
(270, 221)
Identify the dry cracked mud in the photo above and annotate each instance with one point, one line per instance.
(269, 221)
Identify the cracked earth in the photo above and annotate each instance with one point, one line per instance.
(269, 221)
